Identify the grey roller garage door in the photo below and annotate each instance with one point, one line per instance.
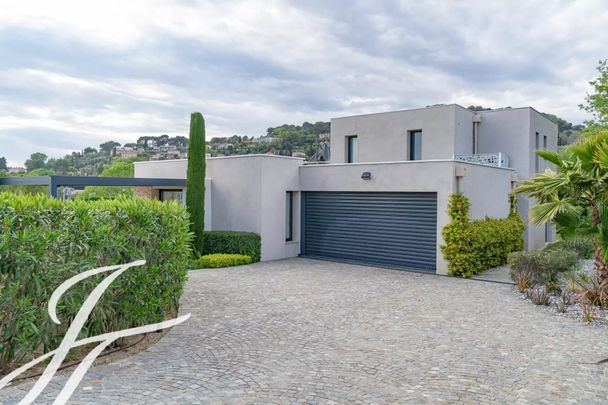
(393, 229)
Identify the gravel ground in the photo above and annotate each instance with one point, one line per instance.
(574, 310)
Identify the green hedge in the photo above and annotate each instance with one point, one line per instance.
(217, 260)
(45, 241)
(244, 243)
(473, 246)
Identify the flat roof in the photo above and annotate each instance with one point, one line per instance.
(398, 162)
(223, 157)
(448, 105)
(403, 110)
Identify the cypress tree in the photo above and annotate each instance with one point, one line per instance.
(195, 183)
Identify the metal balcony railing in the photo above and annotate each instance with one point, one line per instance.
(489, 159)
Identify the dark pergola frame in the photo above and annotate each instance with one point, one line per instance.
(54, 182)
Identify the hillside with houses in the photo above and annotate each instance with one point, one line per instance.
(287, 140)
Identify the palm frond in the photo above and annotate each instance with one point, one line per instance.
(550, 156)
(600, 157)
(584, 151)
(602, 230)
(571, 225)
(548, 211)
(544, 186)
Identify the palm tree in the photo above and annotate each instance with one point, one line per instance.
(577, 186)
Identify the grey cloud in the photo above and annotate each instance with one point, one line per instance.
(359, 57)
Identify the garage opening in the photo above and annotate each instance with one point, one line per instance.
(387, 229)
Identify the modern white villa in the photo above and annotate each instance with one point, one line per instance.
(382, 197)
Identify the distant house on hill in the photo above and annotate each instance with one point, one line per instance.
(168, 152)
(263, 139)
(128, 152)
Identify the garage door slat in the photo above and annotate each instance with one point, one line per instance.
(394, 229)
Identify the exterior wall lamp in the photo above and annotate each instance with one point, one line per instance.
(366, 175)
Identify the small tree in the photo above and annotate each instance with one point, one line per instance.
(36, 161)
(597, 103)
(107, 147)
(195, 192)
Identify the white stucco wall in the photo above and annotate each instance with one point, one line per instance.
(507, 131)
(487, 189)
(162, 169)
(538, 123)
(247, 194)
(383, 137)
(279, 175)
(463, 131)
(513, 131)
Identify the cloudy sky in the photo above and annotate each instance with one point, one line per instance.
(78, 73)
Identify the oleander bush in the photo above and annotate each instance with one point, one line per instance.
(217, 260)
(44, 241)
(542, 266)
(236, 242)
(473, 246)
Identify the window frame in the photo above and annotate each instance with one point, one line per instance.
(289, 216)
(411, 144)
(161, 192)
(350, 156)
(536, 157)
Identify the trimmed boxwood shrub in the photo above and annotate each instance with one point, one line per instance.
(244, 243)
(216, 260)
(473, 246)
(44, 241)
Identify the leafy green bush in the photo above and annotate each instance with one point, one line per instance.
(583, 247)
(44, 241)
(244, 243)
(216, 260)
(542, 266)
(473, 246)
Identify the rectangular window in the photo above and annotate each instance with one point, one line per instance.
(289, 216)
(171, 195)
(545, 147)
(351, 149)
(416, 145)
(536, 157)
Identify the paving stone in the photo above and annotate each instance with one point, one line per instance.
(302, 331)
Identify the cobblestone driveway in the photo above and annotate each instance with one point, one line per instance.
(304, 331)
